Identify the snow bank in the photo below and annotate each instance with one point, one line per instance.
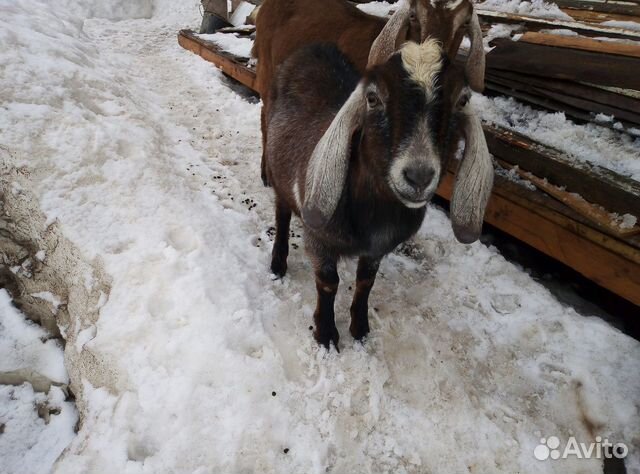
(141, 155)
(25, 346)
(109, 9)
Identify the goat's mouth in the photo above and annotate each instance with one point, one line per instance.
(411, 200)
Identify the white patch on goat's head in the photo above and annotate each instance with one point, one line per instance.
(423, 62)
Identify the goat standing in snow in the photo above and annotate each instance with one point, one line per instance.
(358, 158)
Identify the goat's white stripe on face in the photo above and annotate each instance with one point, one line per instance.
(423, 62)
(453, 4)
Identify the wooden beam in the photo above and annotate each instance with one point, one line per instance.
(563, 63)
(535, 23)
(511, 211)
(596, 184)
(625, 7)
(226, 62)
(582, 43)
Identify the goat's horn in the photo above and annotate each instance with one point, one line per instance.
(327, 169)
(474, 69)
(386, 42)
(473, 183)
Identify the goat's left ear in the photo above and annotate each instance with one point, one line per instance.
(328, 165)
(474, 69)
(474, 181)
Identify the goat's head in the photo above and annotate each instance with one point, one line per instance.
(446, 21)
(403, 110)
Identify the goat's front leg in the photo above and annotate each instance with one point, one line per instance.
(263, 162)
(327, 282)
(366, 276)
(280, 250)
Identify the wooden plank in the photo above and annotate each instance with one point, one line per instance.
(574, 89)
(601, 265)
(226, 62)
(576, 107)
(599, 185)
(594, 213)
(562, 63)
(582, 43)
(535, 24)
(625, 7)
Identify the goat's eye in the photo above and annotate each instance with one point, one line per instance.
(372, 99)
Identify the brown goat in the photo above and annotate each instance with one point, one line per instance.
(358, 156)
(283, 26)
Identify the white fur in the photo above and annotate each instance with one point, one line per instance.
(423, 62)
(296, 194)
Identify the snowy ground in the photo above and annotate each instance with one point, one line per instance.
(149, 162)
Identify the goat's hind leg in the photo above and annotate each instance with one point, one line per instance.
(280, 250)
(366, 276)
(327, 282)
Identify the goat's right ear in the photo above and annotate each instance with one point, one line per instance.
(327, 168)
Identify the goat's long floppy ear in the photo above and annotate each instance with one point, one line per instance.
(473, 183)
(386, 42)
(327, 169)
(474, 69)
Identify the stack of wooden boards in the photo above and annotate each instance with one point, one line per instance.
(565, 69)
(568, 215)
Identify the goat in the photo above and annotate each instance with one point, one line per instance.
(282, 26)
(358, 157)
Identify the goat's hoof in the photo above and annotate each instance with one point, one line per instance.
(326, 337)
(359, 330)
(279, 267)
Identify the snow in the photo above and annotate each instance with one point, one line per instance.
(627, 25)
(25, 345)
(537, 8)
(610, 149)
(382, 9)
(27, 442)
(239, 46)
(149, 163)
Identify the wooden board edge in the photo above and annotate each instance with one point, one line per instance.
(599, 264)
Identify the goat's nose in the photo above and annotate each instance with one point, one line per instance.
(419, 177)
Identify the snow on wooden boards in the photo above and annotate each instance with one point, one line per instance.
(223, 60)
(568, 74)
(545, 224)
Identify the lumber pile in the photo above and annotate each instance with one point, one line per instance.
(590, 74)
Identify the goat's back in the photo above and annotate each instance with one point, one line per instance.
(307, 93)
(283, 26)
